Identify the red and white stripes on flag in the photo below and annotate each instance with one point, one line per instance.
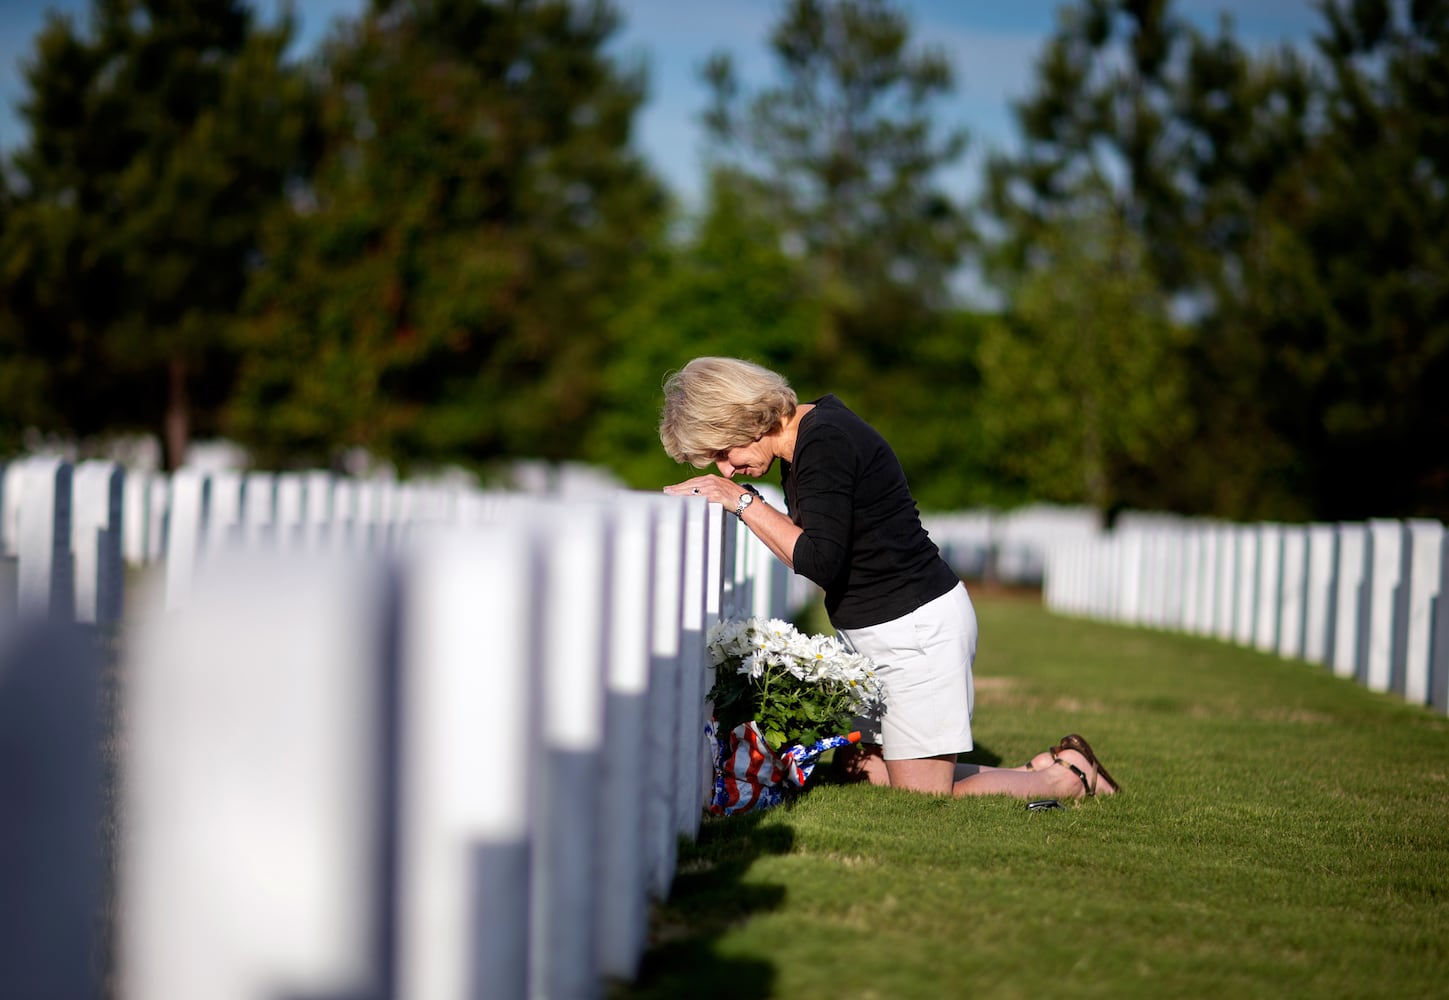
(749, 775)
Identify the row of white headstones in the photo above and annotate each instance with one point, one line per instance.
(442, 752)
(1369, 600)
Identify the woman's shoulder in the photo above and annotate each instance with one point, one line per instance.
(825, 417)
(830, 412)
(828, 409)
(831, 433)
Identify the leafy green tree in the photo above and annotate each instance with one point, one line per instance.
(1190, 133)
(1187, 131)
(727, 288)
(1316, 312)
(1346, 278)
(1083, 382)
(1097, 115)
(846, 154)
(441, 291)
(158, 138)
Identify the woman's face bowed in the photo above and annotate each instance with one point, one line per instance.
(751, 460)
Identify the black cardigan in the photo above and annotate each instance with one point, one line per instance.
(863, 541)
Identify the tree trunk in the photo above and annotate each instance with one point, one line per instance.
(178, 414)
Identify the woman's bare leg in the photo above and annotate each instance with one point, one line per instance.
(1055, 781)
(932, 775)
(1041, 778)
(862, 762)
(1038, 762)
(967, 770)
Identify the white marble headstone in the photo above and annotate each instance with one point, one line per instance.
(1349, 603)
(345, 502)
(259, 513)
(664, 680)
(1384, 567)
(623, 784)
(1321, 594)
(1129, 607)
(10, 486)
(135, 516)
(45, 580)
(186, 532)
(290, 531)
(318, 513)
(158, 519)
(1270, 587)
(226, 514)
(471, 667)
(96, 527)
(1246, 586)
(1225, 604)
(693, 661)
(1426, 540)
(563, 959)
(1295, 591)
(51, 803)
(1209, 561)
(257, 787)
(1192, 577)
(1439, 636)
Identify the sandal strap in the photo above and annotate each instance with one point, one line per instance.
(1088, 787)
(1072, 741)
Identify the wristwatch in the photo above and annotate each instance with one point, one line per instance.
(746, 498)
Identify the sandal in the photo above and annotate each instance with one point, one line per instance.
(1089, 786)
(1072, 741)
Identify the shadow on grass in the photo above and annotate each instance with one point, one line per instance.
(982, 754)
(710, 895)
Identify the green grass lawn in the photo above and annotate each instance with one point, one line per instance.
(1283, 833)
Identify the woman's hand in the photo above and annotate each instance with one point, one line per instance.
(718, 489)
(769, 525)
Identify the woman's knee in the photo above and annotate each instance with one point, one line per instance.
(861, 762)
(932, 775)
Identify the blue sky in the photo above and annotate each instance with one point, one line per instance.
(993, 45)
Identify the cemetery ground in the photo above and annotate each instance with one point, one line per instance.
(1283, 833)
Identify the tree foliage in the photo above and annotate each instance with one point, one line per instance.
(1292, 209)
(726, 288)
(158, 138)
(1346, 279)
(1084, 386)
(1224, 269)
(442, 291)
(845, 153)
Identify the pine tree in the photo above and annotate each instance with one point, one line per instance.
(1084, 384)
(845, 152)
(158, 138)
(440, 294)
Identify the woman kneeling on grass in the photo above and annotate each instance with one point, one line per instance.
(854, 529)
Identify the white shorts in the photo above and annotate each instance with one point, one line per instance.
(923, 661)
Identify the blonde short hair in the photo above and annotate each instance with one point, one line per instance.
(714, 404)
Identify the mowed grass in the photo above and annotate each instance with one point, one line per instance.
(1283, 833)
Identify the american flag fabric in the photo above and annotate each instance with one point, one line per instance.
(750, 775)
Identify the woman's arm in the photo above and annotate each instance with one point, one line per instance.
(774, 528)
(771, 526)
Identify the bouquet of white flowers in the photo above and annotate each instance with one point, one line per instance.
(798, 688)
